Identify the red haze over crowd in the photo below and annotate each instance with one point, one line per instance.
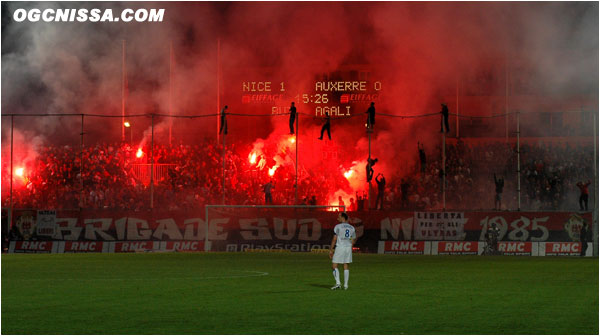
(421, 53)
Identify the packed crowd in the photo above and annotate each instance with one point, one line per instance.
(55, 179)
(194, 177)
(549, 177)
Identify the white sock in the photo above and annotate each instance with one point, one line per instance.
(336, 275)
(346, 276)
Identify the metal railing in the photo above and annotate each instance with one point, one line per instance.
(143, 171)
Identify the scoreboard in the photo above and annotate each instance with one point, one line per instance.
(339, 98)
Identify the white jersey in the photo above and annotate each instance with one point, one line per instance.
(345, 233)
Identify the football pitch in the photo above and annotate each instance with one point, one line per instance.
(289, 293)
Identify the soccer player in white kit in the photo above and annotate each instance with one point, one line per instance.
(344, 237)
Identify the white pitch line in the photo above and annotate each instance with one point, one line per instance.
(146, 279)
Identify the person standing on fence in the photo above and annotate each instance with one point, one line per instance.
(422, 156)
(444, 120)
(223, 120)
(344, 237)
(584, 195)
(360, 202)
(369, 168)
(340, 201)
(292, 117)
(499, 187)
(268, 188)
(404, 189)
(583, 239)
(327, 126)
(352, 205)
(371, 116)
(380, 190)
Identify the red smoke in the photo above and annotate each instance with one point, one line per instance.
(421, 53)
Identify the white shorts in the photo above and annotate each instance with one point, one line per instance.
(342, 255)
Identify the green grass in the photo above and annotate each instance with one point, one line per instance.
(203, 293)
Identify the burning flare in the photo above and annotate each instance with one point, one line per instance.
(252, 158)
(348, 173)
(139, 153)
(272, 170)
(19, 172)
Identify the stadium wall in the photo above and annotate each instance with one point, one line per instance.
(429, 232)
(384, 247)
(476, 248)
